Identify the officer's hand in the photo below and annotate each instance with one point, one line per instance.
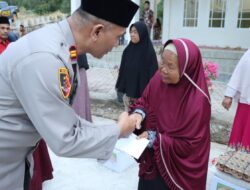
(143, 135)
(227, 102)
(138, 118)
(127, 124)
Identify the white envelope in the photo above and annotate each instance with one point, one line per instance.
(125, 150)
(119, 161)
(132, 146)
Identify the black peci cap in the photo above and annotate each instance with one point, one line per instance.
(119, 12)
(4, 20)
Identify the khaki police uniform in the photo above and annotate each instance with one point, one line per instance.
(36, 78)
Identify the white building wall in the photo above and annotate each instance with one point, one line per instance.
(229, 36)
(74, 5)
(166, 21)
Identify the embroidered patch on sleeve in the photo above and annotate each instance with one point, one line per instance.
(64, 82)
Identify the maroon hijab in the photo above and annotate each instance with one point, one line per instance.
(180, 113)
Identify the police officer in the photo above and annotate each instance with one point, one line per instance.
(37, 85)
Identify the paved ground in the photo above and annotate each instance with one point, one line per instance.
(88, 174)
(102, 86)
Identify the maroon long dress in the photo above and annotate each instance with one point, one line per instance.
(180, 114)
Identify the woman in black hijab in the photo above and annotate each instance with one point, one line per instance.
(138, 64)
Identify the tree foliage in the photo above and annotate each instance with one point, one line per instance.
(43, 6)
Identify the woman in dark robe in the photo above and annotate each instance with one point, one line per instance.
(138, 64)
(177, 110)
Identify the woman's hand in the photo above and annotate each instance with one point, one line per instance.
(227, 102)
(143, 135)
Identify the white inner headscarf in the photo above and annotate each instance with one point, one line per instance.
(171, 47)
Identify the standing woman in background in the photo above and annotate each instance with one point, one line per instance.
(157, 30)
(238, 89)
(138, 64)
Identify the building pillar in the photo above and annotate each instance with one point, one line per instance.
(153, 7)
(166, 20)
(137, 15)
(74, 4)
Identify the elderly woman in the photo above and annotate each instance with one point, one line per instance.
(175, 109)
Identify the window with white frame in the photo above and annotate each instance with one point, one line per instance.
(244, 14)
(190, 13)
(217, 13)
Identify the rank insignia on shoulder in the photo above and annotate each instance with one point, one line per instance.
(64, 82)
(73, 54)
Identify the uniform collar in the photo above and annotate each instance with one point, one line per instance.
(64, 25)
